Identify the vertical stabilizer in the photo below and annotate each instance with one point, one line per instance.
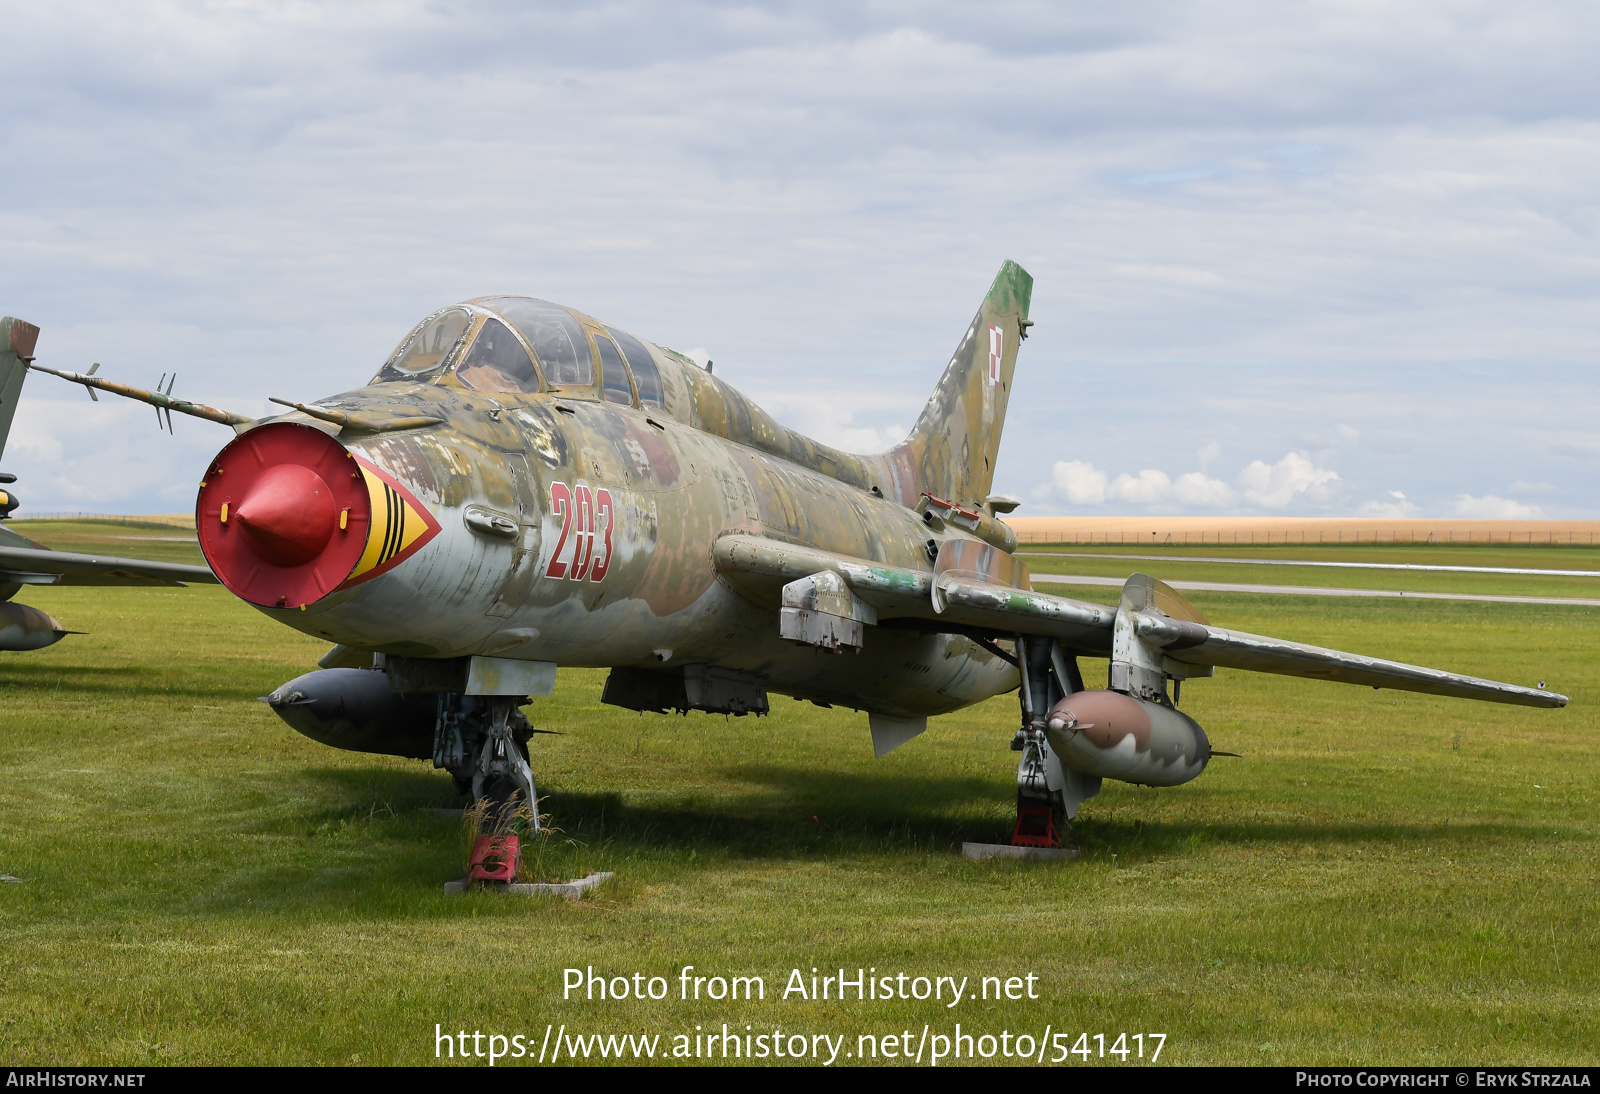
(17, 339)
(950, 453)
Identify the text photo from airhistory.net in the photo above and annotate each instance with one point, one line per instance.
(744, 535)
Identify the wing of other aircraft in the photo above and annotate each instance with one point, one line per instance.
(985, 593)
(24, 562)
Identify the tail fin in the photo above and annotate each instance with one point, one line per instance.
(951, 450)
(17, 339)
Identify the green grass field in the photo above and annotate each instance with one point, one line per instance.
(1382, 878)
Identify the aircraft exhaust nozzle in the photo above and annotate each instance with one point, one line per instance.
(287, 514)
(1115, 736)
(355, 710)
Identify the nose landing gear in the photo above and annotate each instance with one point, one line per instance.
(502, 767)
(481, 741)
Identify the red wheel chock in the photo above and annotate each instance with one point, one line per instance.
(1036, 827)
(495, 858)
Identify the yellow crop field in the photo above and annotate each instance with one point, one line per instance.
(1168, 531)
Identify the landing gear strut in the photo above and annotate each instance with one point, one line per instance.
(1046, 789)
(481, 741)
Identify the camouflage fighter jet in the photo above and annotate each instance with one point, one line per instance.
(24, 562)
(521, 486)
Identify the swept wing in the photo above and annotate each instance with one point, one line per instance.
(977, 589)
(23, 562)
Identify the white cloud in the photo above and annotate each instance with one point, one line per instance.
(1178, 276)
(1397, 505)
(1148, 487)
(1273, 486)
(1252, 192)
(33, 432)
(865, 422)
(860, 438)
(1490, 507)
(1197, 490)
(1080, 483)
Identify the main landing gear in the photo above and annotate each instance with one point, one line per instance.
(1048, 792)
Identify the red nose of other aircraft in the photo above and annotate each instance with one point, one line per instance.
(284, 515)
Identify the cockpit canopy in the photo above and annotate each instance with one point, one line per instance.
(423, 352)
(486, 344)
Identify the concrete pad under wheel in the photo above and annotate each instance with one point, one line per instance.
(572, 890)
(1009, 850)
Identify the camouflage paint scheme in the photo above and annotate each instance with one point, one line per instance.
(706, 464)
(736, 558)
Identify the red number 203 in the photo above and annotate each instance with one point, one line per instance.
(582, 513)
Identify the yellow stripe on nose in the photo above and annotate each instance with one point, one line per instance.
(396, 526)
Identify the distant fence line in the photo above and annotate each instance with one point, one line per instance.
(176, 520)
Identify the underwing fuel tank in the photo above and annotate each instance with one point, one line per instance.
(1115, 736)
(354, 709)
(26, 628)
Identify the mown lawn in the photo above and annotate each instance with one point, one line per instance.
(1382, 878)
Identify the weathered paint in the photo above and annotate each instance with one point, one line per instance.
(676, 479)
(710, 555)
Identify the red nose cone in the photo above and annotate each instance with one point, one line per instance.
(283, 515)
(289, 515)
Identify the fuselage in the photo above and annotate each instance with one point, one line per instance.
(575, 524)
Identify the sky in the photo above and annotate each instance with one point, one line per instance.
(1311, 259)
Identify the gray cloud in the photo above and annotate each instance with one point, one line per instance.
(1254, 222)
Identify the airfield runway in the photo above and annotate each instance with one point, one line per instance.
(1334, 565)
(1317, 590)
